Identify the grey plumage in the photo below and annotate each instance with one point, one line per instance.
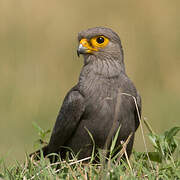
(91, 103)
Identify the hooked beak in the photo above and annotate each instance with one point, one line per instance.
(81, 50)
(85, 47)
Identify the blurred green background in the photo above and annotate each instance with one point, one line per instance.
(38, 61)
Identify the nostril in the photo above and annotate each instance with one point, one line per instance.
(84, 42)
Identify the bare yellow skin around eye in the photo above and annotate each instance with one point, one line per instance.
(93, 45)
(97, 45)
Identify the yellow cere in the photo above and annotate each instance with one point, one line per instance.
(86, 44)
(94, 44)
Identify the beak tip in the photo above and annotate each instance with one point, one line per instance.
(81, 50)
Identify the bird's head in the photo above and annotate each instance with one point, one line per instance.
(100, 42)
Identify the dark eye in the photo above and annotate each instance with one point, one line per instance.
(100, 40)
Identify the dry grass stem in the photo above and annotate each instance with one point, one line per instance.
(84, 175)
(124, 148)
(57, 163)
(74, 176)
(142, 131)
(121, 153)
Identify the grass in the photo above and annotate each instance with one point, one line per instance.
(161, 163)
(38, 62)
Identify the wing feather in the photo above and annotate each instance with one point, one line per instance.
(67, 120)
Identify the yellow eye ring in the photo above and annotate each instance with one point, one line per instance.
(99, 41)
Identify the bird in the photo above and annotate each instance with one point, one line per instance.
(90, 109)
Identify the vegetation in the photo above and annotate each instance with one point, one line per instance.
(161, 163)
(38, 65)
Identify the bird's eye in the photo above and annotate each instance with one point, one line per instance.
(100, 40)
